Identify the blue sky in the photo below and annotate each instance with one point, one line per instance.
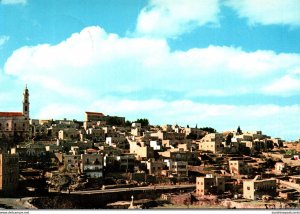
(206, 62)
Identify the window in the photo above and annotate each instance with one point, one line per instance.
(248, 188)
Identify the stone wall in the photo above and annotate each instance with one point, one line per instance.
(97, 200)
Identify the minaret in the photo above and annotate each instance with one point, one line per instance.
(26, 103)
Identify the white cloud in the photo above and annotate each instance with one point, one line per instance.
(3, 40)
(91, 57)
(273, 120)
(286, 86)
(95, 63)
(183, 112)
(170, 18)
(234, 60)
(13, 1)
(268, 12)
(83, 72)
(58, 111)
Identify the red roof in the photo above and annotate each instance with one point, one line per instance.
(95, 113)
(11, 114)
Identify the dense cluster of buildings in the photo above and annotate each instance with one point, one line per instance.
(104, 150)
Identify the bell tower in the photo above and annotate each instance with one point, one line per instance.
(26, 103)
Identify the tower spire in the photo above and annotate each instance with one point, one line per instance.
(26, 103)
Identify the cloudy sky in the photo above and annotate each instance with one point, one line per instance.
(206, 62)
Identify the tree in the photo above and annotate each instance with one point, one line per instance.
(245, 151)
(270, 145)
(143, 121)
(191, 136)
(127, 123)
(228, 139)
(239, 130)
(66, 149)
(60, 181)
(270, 163)
(114, 121)
(208, 129)
(290, 152)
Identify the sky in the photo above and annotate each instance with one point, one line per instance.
(221, 64)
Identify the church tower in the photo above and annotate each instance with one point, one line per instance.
(26, 103)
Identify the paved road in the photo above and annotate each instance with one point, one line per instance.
(15, 203)
(289, 185)
(183, 186)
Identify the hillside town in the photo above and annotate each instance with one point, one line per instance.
(109, 162)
